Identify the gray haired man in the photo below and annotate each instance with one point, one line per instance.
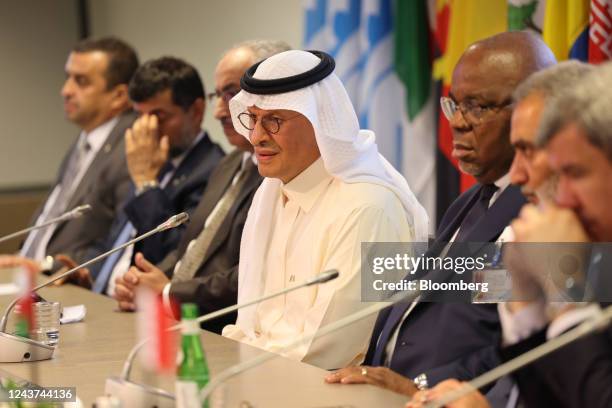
(576, 131)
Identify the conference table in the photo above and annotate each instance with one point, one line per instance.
(92, 350)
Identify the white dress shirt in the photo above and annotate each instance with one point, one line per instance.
(96, 139)
(319, 223)
(523, 323)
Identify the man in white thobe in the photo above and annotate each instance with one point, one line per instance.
(327, 190)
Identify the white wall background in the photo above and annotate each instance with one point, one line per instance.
(35, 38)
(197, 30)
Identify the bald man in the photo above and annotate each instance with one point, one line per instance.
(429, 341)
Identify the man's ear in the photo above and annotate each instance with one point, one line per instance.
(198, 109)
(120, 99)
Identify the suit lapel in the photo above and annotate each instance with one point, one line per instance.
(253, 181)
(501, 213)
(213, 193)
(488, 229)
(190, 168)
(112, 142)
(451, 227)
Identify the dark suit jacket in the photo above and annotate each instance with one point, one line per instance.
(449, 340)
(215, 283)
(182, 193)
(154, 206)
(580, 373)
(104, 186)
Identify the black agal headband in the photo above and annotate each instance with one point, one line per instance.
(288, 84)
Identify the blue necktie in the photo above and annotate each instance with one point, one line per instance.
(108, 266)
(124, 236)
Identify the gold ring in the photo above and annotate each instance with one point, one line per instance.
(364, 371)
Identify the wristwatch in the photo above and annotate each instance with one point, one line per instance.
(147, 185)
(421, 382)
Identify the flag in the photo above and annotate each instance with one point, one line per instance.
(459, 23)
(566, 28)
(361, 35)
(159, 352)
(25, 307)
(413, 61)
(600, 31)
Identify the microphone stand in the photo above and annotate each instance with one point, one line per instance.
(16, 348)
(135, 394)
(595, 323)
(329, 328)
(69, 215)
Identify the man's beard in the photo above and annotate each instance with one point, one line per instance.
(547, 191)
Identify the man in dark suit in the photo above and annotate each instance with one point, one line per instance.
(169, 158)
(431, 341)
(574, 140)
(209, 250)
(96, 99)
(576, 135)
(531, 171)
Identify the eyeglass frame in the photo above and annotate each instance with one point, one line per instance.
(278, 121)
(466, 112)
(224, 95)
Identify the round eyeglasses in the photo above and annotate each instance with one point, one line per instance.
(270, 123)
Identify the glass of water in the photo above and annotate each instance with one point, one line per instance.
(46, 322)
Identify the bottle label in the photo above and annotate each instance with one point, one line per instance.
(187, 394)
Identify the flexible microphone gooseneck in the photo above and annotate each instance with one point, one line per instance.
(593, 324)
(135, 394)
(68, 215)
(16, 348)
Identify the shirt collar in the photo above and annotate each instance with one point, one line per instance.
(306, 187)
(503, 182)
(96, 137)
(176, 161)
(246, 156)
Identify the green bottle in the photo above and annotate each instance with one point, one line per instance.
(192, 373)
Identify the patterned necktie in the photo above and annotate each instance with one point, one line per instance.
(194, 256)
(67, 186)
(478, 210)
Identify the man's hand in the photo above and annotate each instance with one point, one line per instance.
(142, 273)
(378, 376)
(145, 151)
(124, 291)
(149, 275)
(472, 400)
(549, 253)
(551, 224)
(80, 277)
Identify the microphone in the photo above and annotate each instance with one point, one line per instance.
(327, 329)
(593, 324)
(173, 222)
(17, 349)
(68, 215)
(134, 394)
